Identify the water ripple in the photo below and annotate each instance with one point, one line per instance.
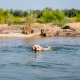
(18, 62)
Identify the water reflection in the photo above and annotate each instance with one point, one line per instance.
(37, 54)
(29, 40)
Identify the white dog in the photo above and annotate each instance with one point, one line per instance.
(39, 48)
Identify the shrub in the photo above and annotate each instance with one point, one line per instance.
(73, 19)
(17, 20)
(77, 17)
(61, 22)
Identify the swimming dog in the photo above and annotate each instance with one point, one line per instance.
(40, 48)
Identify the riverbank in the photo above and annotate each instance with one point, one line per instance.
(46, 30)
(15, 35)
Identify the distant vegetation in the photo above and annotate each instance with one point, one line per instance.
(47, 15)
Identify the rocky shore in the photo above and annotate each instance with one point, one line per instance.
(69, 30)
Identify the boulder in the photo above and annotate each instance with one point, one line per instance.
(68, 28)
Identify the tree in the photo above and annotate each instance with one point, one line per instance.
(59, 18)
(71, 12)
(58, 15)
(77, 17)
(47, 16)
(25, 13)
(17, 20)
(8, 17)
(1, 16)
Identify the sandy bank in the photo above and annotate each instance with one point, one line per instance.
(75, 25)
(15, 35)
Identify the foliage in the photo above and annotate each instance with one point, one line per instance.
(77, 17)
(2, 19)
(5, 16)
(37, 12)
(18, 13)
(31, 18)
(61, 22)
(1, 16)
(8, 17)
(73, 19)
(71, 12)
(46, 15)
(59, 15)
(17, 20)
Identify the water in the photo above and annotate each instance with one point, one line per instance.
(18, 62)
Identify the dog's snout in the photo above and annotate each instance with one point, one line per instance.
(35, 49)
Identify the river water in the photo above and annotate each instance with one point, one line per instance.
(18, 62)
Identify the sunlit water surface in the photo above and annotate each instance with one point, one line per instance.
(18, 62)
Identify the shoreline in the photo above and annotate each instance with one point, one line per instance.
(20, 35)
(15, 35)
(45, 30)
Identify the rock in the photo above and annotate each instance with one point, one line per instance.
(67, 34)
(48, 32)
(68, 28)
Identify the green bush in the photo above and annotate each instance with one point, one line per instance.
(77, 17)
(17, 20)
(2, 20)
(72, 20)
(61, 22)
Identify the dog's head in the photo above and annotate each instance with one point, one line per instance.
(36, 48)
